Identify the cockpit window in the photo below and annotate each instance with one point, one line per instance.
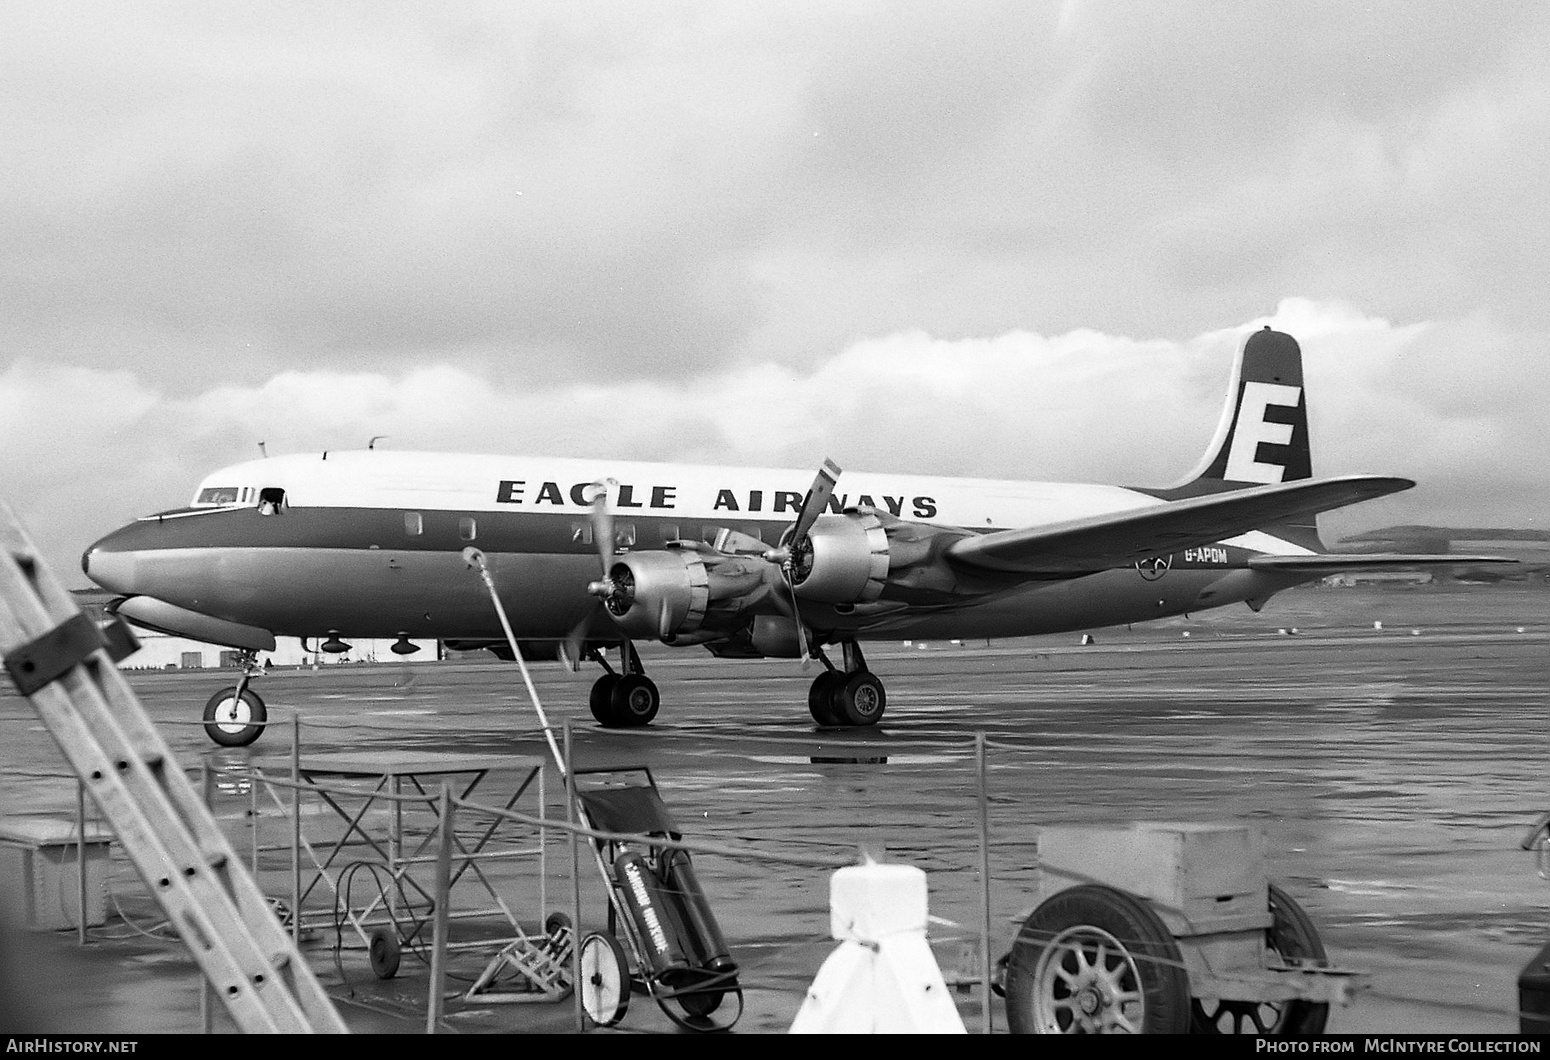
(270, 500)
(218, 495)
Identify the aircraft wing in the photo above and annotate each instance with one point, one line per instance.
(1335, 563)
(1119, 539)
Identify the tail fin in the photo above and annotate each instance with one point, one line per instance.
(1263, 435)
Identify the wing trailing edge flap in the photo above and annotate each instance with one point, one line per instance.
(1336, 563)
(1119, 539)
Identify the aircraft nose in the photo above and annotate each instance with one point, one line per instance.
(110, 568)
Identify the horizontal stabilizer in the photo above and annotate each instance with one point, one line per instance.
(1332, 563)
(1119, 539)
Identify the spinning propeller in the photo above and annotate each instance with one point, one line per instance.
(605, 588)
(796, 548)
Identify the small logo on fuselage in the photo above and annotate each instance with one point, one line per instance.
(1154, 568)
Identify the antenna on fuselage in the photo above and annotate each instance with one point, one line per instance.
(264, 452)
(373, 443)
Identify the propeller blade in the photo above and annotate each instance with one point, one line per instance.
(602, 519)
(817, 500)
(790, 610)
(575, 645)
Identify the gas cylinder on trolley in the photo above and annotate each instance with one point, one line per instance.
(654, 916)
(702, 934)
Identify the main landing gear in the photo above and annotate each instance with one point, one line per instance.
(236, 716)
(624, 700)
(850, 697)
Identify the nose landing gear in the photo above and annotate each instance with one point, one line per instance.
(236, 716)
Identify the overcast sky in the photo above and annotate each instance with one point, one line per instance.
(1014, 240)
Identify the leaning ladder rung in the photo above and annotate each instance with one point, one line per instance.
(169, 834)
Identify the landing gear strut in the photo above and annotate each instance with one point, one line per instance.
(624, 700)
(236, 716)
(850, 697)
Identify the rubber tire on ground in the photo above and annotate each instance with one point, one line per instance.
(605, 979)
(860, 699)
(384, 952)
(1052, 970)
(233, 723)
(697, 1004)
(601, 700)
(1291, 936)
(633, 702)
(820, 698)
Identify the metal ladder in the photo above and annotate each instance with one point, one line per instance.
(65, 666)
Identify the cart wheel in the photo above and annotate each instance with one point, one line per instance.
(232, 720)
(1293, 939)
(694, 999)
(384, 952)
(1095, 960)
(605, 979)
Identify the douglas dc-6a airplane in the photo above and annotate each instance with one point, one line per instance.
(590, 554)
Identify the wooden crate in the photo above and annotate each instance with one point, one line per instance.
(1201, 878)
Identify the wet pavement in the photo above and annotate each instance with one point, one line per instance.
(1392, 770)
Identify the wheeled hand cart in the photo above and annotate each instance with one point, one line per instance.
(657, 906)
(1166, 929)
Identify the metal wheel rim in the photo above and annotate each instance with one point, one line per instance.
(638, 702)
(233, 715)
(1264, 1017)
(1087, 982)
(602, 982)
(866, 700)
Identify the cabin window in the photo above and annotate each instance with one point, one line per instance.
(270, 500)
(414, 526)
(752, 530)
(217, 495)
(467, 529)
(669, 533)
(581, 533)
(624, 535)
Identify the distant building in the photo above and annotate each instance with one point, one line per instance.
(1531, 548)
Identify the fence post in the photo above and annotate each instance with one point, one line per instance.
(984, 829)
(443, 900)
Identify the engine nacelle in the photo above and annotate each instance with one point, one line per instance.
(658, 593)
(775, 637)
(669, 593)
(845, 560)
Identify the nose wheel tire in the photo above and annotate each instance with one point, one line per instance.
(234, 720)
(1096, 960)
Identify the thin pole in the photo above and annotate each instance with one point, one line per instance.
(439, 928)
(296, 827)
(475, 559)
(80, 860)
(575, 883)
(984, 830)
